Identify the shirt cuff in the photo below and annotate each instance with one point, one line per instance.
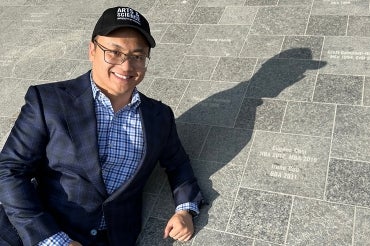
(189, 206)
(58, 239)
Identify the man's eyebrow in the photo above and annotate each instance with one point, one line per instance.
(141, 50)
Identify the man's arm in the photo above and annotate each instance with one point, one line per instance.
(19, 159)
(185, 189)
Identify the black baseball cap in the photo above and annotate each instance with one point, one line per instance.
(118, 17)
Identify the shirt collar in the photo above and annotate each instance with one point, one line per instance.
(135, 98)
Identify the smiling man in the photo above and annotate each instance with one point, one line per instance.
(73, 169)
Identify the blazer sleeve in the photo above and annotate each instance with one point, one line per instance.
(22, 154)
(178, 168)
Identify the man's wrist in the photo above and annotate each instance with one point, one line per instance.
(189, 207)
(58, 239)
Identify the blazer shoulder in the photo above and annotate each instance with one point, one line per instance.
(75, 85)
(154, 105)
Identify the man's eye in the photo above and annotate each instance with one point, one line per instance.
(115, 53)
(139, 57)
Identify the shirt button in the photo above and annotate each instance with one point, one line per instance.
(93, 232)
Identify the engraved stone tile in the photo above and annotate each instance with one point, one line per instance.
(340, 7)
(309, 119)
(227, 144)
(367, 92)
(165, 60)
(285, 79)
(180, 33)
(261, 114)
(287, 20)
(239, 15)
(293, 46)
(290, 164)
(340, 89)
(206, 15)
(220, 3)
(260, 215)
(320, 223)
(211, 103)
(351, 138)
(327, 25)
(216, 238)
(219, 40)
(362, 227)
(346, 55)
(359, 26)
(197, 67)
(348, 182)
(261, 2)
(192, 137)
(234, 69)
(165, 11)
(168, 91)
(262, 46)
(34, 17)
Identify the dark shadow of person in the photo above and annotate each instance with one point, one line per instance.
(216, 131)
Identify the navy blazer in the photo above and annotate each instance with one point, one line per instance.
(54, 142)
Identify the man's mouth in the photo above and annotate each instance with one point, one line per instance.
(123, 76)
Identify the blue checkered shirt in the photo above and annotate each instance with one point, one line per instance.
(117, 131)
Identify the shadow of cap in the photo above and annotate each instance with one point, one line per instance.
(302, 54)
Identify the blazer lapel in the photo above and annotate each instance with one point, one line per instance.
(80, 117)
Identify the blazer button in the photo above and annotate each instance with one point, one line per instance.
(93, 232)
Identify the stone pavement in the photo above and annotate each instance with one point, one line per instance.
(272, 99)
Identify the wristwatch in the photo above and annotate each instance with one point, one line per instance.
(193, 213)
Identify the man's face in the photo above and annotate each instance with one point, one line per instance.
(118, 80)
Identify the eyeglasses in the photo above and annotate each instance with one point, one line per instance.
(116, 57)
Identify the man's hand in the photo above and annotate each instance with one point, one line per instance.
(74, 243)
(180, 227)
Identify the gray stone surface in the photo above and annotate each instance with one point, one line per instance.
(315, 222)
(272, 100)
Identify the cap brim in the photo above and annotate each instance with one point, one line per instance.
(147, 36)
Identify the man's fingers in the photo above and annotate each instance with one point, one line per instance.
(184, 238)
(74, 243)
(167, 230)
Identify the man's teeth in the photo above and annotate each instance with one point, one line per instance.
(122, 76)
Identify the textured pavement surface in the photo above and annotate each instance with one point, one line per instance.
(272, 99)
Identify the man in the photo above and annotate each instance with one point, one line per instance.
(75, 164)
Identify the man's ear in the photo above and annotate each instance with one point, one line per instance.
(92, 50)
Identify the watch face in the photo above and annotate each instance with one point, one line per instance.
(193, 213)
